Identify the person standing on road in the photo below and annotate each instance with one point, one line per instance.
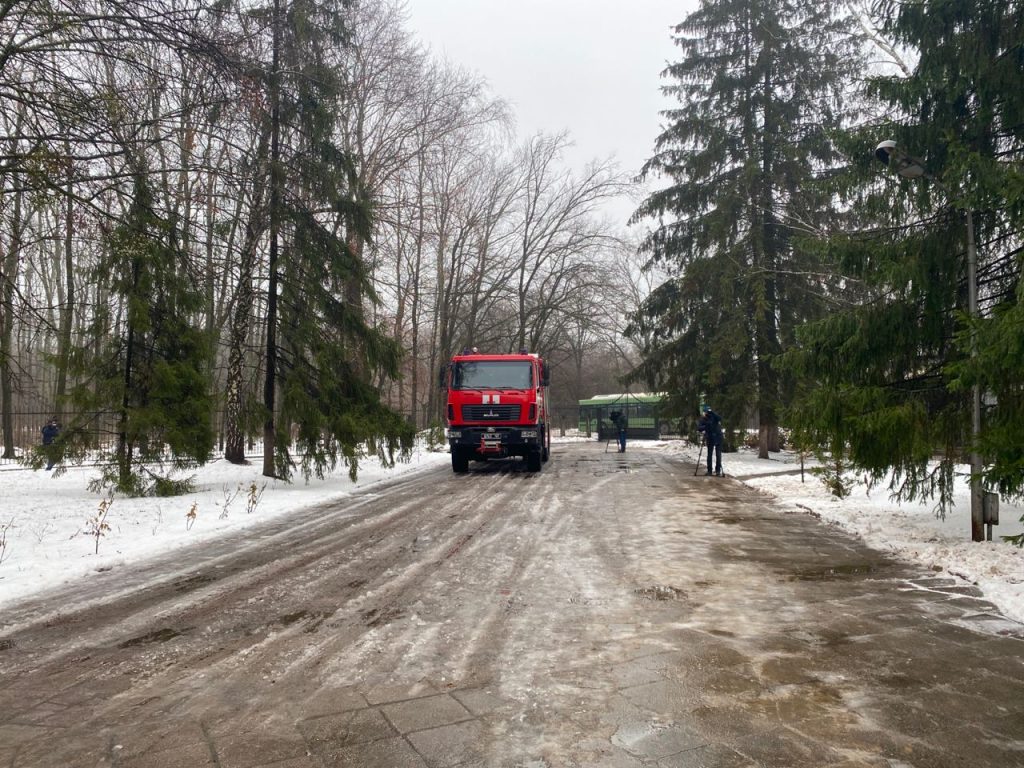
(619, 419)
(50, 432)
(711, 425)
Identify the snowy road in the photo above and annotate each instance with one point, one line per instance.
(613, 611)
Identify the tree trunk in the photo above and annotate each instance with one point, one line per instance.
(767, 311)
(9, 278)
(354, 299)
(241, 316)
(270, 382)
(234, 441)
(124, 446)
(67, 310)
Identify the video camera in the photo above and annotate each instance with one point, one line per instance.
(614, 415)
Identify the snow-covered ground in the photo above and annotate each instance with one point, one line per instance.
(48, 524)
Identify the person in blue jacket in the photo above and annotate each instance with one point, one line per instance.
(50, 432)
(711, 425)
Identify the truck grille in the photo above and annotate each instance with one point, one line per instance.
(490, 413)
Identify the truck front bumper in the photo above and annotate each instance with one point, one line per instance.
(495, 441)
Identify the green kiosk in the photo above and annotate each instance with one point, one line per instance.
(641, 412)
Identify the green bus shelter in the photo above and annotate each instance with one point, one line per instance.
(641, 411)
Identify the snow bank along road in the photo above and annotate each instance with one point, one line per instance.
(612, 611)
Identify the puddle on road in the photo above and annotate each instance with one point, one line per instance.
(737, 520)
(632, 736)
(834, 572)
(901, 682)
(315, 619)
(660, 592)
(157, 636)
(377, 617)
(192, 582)
(992, 624)
(721, 633)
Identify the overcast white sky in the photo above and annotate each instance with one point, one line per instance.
(591, 67)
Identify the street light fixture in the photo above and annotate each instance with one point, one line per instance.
(906, 166)
(889, 153)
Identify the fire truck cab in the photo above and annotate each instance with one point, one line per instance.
(497, 407)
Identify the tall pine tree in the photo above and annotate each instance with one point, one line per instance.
(891, 379)
(322, 355)
(760, 86)
(145, 378)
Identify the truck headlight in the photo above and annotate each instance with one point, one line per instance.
(529, 433)
(454, 434)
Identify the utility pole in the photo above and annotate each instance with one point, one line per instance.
(911, 168)
(977, 493)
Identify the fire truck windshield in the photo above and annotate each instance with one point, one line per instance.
(493, 374)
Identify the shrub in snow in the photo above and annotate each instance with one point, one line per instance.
(167, 486)
(3, 539)
(253, 499)
(833, 472)
(229, 496)
(97, 525)
(435, 437)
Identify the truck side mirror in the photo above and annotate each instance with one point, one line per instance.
(545, 375)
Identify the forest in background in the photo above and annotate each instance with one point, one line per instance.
(166, 162)
(840, 218)
(234, 222)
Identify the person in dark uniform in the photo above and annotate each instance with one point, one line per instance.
(711, 425)
(621, 423)
(50, 432)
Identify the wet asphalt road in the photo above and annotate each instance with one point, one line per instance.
(612, 612)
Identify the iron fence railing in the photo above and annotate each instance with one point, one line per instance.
(26, 434)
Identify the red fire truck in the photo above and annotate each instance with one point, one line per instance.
(497, 408)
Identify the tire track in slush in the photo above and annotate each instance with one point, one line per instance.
(480, 588)
(230, 600)
(215, 639)
(491, 494)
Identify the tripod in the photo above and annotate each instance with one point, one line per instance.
(613, 438)
(699, 450)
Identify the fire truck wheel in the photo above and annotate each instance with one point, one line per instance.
(460, 460)
(533, 461)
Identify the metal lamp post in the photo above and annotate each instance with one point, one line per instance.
(911, 168)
